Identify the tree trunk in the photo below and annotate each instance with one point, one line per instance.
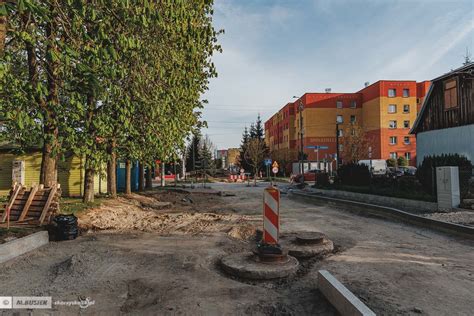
(149, 183)
(112, 170)
(50, 128)
(88, 182)
(141, 177)
(255, 178)
(48, 175)
(128, 177)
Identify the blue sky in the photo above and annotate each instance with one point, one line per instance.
(273, 50)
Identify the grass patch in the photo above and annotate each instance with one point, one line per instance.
(76, 206)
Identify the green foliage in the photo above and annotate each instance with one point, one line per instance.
(193, 153)
(426, 172)
(256, 132)
(391, 162)
(402, 162)
(126, 74)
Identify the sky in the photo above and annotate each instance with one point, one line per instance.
(274, 50)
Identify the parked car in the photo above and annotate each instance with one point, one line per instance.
(379, 166)
(394, 172)
(410, 171)
(309, 176)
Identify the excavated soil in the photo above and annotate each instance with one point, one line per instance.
(167, 213)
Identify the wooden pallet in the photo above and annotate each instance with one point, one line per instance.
(34, 206)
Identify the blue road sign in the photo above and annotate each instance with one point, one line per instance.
(268, 162)
(317, 147)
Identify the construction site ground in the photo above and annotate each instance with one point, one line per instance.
(158, 253)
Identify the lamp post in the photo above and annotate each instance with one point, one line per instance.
(337, 145)
(300, 108)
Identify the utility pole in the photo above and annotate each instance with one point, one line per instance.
(337, 145)
(301, 140)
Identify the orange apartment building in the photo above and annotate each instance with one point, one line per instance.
(385, 110)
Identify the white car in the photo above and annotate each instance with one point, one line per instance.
(379, 166)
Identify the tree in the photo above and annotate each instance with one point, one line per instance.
(105, 79)
(207, 161)
(243, 148)
(255, 154)
(355, 144)
(256, 130)
(402, 162)
(391, 162)
(193, 153)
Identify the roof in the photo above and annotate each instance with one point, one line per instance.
(420, 115)
(455, 71)
(427, 97)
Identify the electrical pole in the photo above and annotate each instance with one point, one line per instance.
(301, 140)
(337, 145)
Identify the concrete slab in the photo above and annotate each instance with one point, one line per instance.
(17, 247)
(346, 303)
(245, 265)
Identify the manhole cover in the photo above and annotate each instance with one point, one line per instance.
(310, 238)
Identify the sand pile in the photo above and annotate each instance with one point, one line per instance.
(123, 214)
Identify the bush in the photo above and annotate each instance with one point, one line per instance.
(391, 162)
(354, 174)
(402, 162)
(322, 179)
(426, 171)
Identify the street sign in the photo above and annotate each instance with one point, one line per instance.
(268, 162)
(275, 164)
(275, 170)
(318, 147)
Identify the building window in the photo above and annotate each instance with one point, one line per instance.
(393, 140)
(353, 104)
(406, 140)
(339, 104)
(392, 108)
(406, 124)
(450, 94)
(392, 93)
(407, 156)
(406, 93)
(406, 108)
(339, 133)
(392, 124)
(339, 119)
(341, 147)
(393, 155)
(353, 132)
(353, 118)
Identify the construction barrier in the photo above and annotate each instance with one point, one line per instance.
(235, 177)
(271, 215)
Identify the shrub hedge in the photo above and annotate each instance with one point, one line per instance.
(426, 171)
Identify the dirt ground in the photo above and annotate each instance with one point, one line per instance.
(163, 259)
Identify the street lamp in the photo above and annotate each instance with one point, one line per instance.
(300, 108)
(337, 144)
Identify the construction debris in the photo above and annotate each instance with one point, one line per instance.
(35, 206)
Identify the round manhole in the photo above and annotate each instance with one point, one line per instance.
(310, 238)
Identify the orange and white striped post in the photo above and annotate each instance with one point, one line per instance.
(271, 215)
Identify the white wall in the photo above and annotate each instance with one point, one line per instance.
(455, 140)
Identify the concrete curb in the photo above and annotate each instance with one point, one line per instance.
(17, 247)
(346, 303)
(396, 214)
